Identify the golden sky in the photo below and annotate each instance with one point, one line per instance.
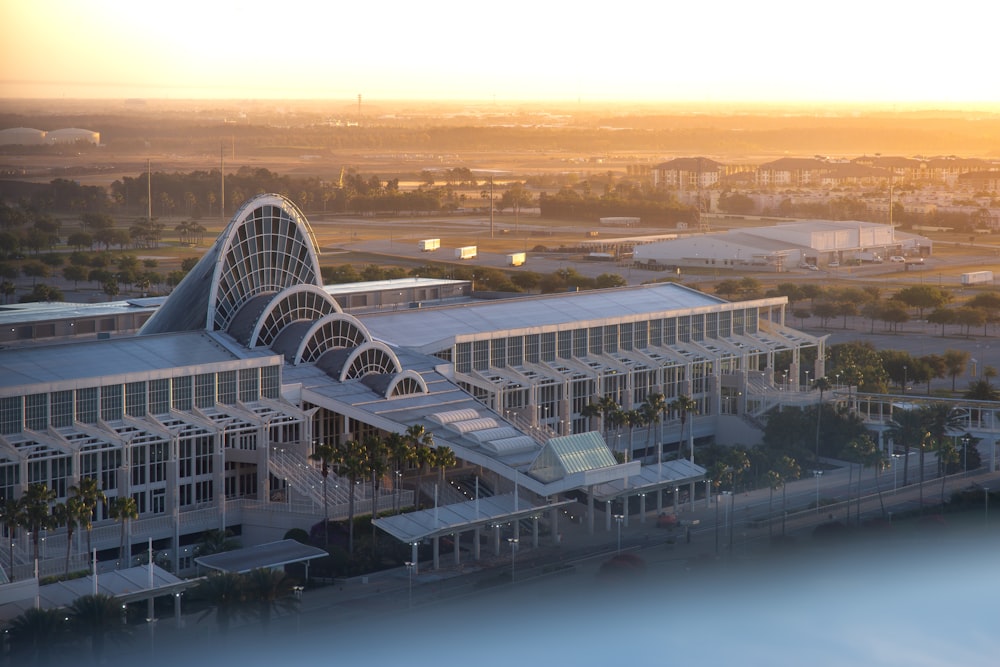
(850, 51)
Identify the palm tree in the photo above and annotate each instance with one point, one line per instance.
(653, 410)
(774, 481)
(789, 469)
(631, 419)
(444, 457)
(89, 495)
(401, 454)
(682, 405)
(939, 418)
(269, 590)
(35, 505)
(123, 509)
(421, 441)
(376, 454)
(352, 463)
(869, 455)
(68, 514)
(33, 633)
(226, 592)
(97, 617)
(326, 455)
(947, 454)
(215, 542)
(905, 428)
(12, 515)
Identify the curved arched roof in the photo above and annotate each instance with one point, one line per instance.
(267, 247)
(302, 302)
(333, 332)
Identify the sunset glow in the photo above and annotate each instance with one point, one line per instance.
(851, 52)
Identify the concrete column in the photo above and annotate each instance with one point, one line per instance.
(607, 516)
(625, 508)
(534, 532)
(436, 546)
(496, 539)
(414, 559)
(476, 535)
(642, 508)
(556, 538)
(590, 510)
(458, 555)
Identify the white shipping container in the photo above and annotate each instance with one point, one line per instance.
(428, 245)
(465, 252)
(977, 277)
(516, 258)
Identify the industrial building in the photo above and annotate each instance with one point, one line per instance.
(786, 245)
(208, 414)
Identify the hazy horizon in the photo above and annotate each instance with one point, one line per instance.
(729, 54)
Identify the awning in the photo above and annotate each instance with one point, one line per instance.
(272, 554)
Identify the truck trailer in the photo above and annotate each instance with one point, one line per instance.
(516, 258)
(465, 252)
(977, 277)
(429, 245)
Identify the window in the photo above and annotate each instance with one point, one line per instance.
(670, 331)
(698, 327)
(62, 408)
(249, 384)
(611, 338)
(725, 324)
(463, 357)
(531, 342)
(204, 390)
(564, 344)
(111, 402)
(135, 399)
(596, 338)
(712, 325)
(579, 343)
(656, 333)
(86, 405)
(625, 332)
(549, 346)
(270, 381)
(181, 390)
(751, 322)
(738, 328)
(10, 414)
(159, 396)
(641, 334)
(498, 352)
(227, 387)
(36, 412)
(515, 350)
(481, 355)
(684, 328)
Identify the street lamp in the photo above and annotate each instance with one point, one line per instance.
(904, 380)
(513, 550)
(619, 518)
(817, 474)
(895, 459)
(966, 440)
(409, 583)
(807, 380)
(784, 381)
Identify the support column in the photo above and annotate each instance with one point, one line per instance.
(496, 539)
(607, 516)
(642, 508)
(476, 536)
(556, 538)
(534, 532)
(414, 558)
(590, 509)
(458, 556)
(436, 546)
(178, 619)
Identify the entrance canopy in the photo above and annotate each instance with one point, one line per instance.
(651, 478)
(272, 554)
(416, 526)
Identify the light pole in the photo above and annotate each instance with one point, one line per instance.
(895, 459)
(409, 583)
(807, 380)
(966, 440)
(725, 523)
(817, 474)
(619, 518)
(513, 550)
(784, 381)
(904, 380)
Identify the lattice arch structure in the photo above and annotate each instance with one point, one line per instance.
(407, 383)
(372, 357)
(267, 248)
(302, 302)
(333, 332)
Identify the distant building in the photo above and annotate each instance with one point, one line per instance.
(72, 135)
(22, 136)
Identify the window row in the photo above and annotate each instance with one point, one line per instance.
(500, 352)
(59, 409)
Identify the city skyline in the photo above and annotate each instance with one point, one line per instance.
(765, 53)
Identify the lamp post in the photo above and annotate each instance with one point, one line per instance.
(725, 523)
(904, 379)
(817, 474)
(513, 550)
(895, 459)
(966, 439)
(784, 381)
(807, 380)
(619, 518)
(409, 583)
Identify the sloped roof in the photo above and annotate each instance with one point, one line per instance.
(569, 454)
